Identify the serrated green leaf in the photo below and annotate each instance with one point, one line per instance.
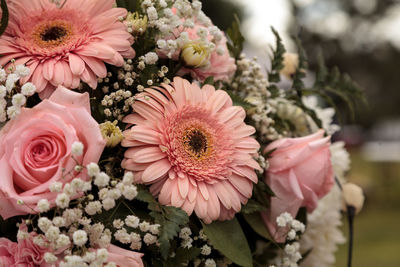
(228, 238)
(235, 38)
(4, 17)
(257, 224)
(277, 59)
(239, 101)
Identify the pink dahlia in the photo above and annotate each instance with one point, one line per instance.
(62, 46)
(193, 147)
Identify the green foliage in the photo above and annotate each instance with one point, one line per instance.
(277, 59)
(257, 224)
(228, 238)
(235, 38)
(300, 73)
(252, 206)
(170, 220)
(130, 5)
(239, 101)
(4, 17)
(182, 255)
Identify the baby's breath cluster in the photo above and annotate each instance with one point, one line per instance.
(291, 252)
(13, 96)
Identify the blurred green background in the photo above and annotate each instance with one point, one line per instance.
(362, 38)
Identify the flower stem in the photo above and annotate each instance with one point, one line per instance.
(351, 211)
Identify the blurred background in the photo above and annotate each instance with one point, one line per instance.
(362, 38)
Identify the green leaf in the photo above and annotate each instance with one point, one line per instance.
(171, 219)
(182, 255)
(257, 223)
(239, 101)
(4, 17)
(235, 38)
(209, 80)
(277, 59)
(228, 238)
(252, 206)
(300, 73)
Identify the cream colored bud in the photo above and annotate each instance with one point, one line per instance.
(111, 133)
(290, 62)
(137, 22)
(195, 55)
(353, 196)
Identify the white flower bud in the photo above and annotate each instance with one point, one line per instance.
(353, 196)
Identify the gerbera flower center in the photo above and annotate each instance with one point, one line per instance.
(53, 33)
(196, 142)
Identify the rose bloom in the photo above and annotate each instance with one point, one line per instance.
(35, 147)
(63, 46)
(300, 174)
(7, 251)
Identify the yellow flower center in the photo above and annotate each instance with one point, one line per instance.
(51, 34)
(195, 54)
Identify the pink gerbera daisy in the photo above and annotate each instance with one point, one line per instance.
(193, 147)
(64, 45)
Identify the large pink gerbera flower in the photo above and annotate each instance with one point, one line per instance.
(64, 45)
(193, 147)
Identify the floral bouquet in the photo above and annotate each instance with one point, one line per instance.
(136, 133)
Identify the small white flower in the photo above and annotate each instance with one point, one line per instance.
(52, 233)
(3, 75)
(144, 226)
(77, 148)
(128, 178)
(62, 241)
(150, 58)
(102, 179)
(161, 44)
(122, 236)
(56, 187)
(13, 111)
(62, 200)
(28, 89)
(11, 80)
(59, 221)
(298, 226)
(205, 250)
(3, 91)
(93, 169)
(102, 255)
(89, 256)
(290, 249)
(291, 235)
(149, 239)
(80, 238)
(132, 221)
(77, 184)
(43, 205)
(108, 203)
(93, 207)
(130, 192)
(44, 224)
(22, 71)
(50, 257)
(155, 229)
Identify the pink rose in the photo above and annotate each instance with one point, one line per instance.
(123, 257)
(7, 252)
(300, 173)
(35, 148)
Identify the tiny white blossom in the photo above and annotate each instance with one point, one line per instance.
(3, 91)
(62, 200)
(44, 224)
(291, 235)
(128, 178)
(93, 169)
(93, 207)
(13, 111)
(205, 250)
(102, 179)
(28, 89)
(56, 187)
(132, 221)
(63, 241)
(43, 205)
(52, 233)
(80, 238)
(108, 203)
(144, 226)
(150, 58)
(22, 71)
(155, 229)
(59, 221)
(3, 75)
(77, 148)
(122, 236)
(298, 226)
(102, 255)
(50, 257)
(149, 239)
(130, 192)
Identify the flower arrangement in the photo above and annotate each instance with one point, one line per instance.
(137, 133)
